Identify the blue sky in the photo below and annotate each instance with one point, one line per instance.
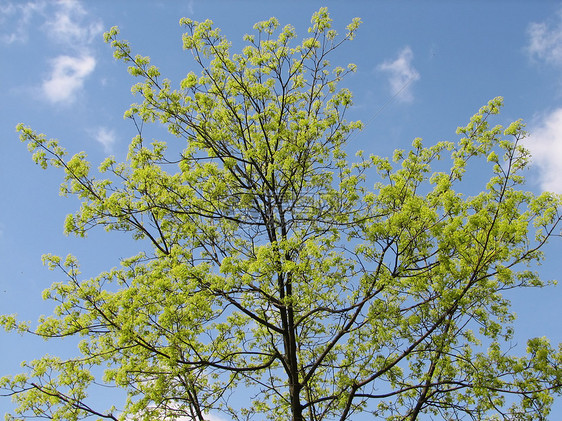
(423, 69)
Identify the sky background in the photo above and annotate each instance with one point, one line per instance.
(424, 68)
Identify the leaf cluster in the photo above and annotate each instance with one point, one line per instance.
(273, 264)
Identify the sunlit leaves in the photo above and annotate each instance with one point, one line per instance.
(270, 263)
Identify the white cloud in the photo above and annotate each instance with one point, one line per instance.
(210, 417)
(64, 21)
(67, 24)
(71, 25)
(15, 19)
(106, 137)
(545, 144)
(401, 74)
(545, 41)
(67, 77)
(190, 7)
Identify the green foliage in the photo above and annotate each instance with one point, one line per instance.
(276, 269)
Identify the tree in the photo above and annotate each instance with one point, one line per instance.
(275, 270)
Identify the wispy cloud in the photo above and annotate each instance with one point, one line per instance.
(71, 25)
(190, 7)
(401, 74)
(64, 21)
(15, 19)
(545, 144)
(106, 137)
(67, 25)
(67, 77)
(545, 40)
(211, 417)
(544, 45)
